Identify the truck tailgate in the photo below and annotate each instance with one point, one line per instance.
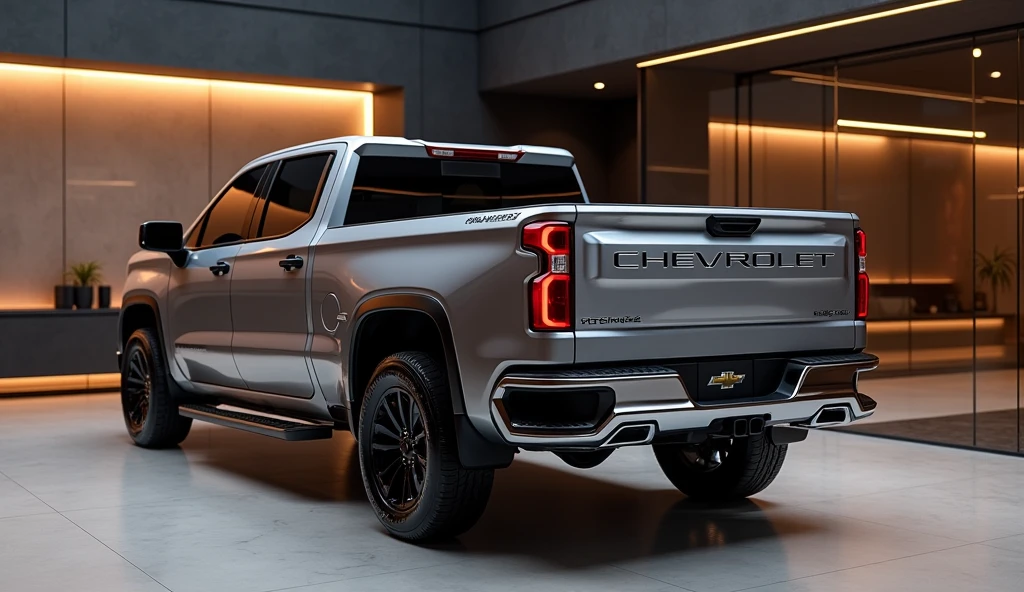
(653, 282)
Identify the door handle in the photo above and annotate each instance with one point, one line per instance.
(221, 268)
(291, 262)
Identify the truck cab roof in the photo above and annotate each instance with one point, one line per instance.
(384, 145)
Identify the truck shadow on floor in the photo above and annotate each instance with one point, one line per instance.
(565, 517)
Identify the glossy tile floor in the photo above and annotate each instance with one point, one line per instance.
(82, 509)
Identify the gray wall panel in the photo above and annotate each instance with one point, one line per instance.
(496, 12)
(403, 11)
(456, 14)
(595, 32)
(699, 23)
(35, 27)
(452, 110)
(573, 38)
(233, 39)
(459, 14)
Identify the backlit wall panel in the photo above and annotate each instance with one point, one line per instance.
(89, 155)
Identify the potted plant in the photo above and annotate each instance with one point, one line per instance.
(997, 270)
(86, 276)
(104, 296)
(64, 293)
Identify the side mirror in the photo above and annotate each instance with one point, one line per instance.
(166, 237)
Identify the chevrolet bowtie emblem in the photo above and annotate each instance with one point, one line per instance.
(727, 379)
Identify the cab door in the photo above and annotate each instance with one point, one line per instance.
(270, 281)
(199, 293)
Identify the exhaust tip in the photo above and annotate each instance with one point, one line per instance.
(830, 416)
(756, 426)
(635, 434)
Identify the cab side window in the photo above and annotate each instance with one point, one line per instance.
(225, 222)
(293, 194)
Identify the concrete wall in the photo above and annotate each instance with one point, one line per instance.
(427, 47)
(541, 38)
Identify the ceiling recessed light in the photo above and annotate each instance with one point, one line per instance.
(599, 85)
(977, 52)
(996, 74)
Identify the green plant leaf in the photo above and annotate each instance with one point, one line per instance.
(87, 273)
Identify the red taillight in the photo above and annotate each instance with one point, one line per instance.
(550, 292)
(860, 242)
(473, 154)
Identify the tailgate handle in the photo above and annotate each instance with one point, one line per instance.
(732, 225)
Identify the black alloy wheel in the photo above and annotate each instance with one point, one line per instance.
(148, 402)
(137, 386)
(399, 451)
(408, 453)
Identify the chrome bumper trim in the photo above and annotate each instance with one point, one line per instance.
(660, 398)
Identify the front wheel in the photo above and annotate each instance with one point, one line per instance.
(408, 454)
(721, 469)
(147, 402)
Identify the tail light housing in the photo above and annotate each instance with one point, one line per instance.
(551, 291)
(860, 243)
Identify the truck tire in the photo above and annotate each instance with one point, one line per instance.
(147, 402)
(408, 455)
(721, 469)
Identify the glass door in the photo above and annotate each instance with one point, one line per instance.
(996, 241)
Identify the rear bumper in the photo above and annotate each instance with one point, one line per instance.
(652, 402)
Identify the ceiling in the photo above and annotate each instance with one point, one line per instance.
(948, 71)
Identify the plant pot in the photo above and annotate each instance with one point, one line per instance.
(83, 297)
(104, 294)
(63, 296)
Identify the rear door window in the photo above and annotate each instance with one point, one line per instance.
(292, 196)
(397, 188)
(225, 222)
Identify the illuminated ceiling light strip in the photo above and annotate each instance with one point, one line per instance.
(913, 129)
(793, 33)
(808, 78)
(895, 90)
(367, 97)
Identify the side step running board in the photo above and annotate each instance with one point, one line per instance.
(258, 424)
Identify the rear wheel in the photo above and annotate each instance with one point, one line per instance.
(722, 469)
(408, 454)
(147, 403)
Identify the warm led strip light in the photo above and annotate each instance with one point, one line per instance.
(935, 325)
(793, 33)
(891, 89)
(913, 129)
(367, 97)
(64, 383)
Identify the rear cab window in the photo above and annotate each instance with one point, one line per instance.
(398, 188)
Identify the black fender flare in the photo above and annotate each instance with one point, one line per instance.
(135, 300)
(475, 451)
(149, 301)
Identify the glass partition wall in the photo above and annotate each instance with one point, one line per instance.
(924, 145)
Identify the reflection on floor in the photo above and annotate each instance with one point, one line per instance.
(936, 395)
(82, 509)
(941, 408)
(991, 430)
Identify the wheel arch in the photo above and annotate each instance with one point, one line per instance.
(137, 311)
(389, 309)
(388, 312)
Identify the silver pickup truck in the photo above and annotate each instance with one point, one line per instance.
(453, 304)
